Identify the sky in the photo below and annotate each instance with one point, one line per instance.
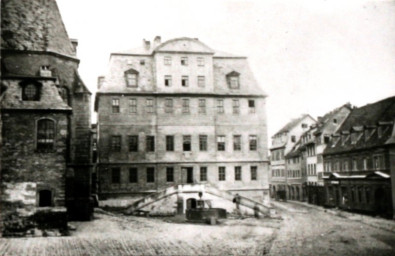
(308, 56)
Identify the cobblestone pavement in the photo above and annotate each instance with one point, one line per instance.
(309, 231)
(111, 234)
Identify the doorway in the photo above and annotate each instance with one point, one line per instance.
(45, 198)
(189, 174)
(191, 203)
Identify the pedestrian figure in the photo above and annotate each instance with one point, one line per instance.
(236, 200)
(256, 211)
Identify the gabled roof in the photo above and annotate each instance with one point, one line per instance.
(33, 25)
(294, 122)
(327, 119)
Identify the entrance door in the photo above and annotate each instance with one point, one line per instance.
(189, 171)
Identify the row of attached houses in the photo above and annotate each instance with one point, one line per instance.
(343, 160)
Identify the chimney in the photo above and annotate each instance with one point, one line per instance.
(100, 81)
(157, 41)
(146, 44)
(74, 43)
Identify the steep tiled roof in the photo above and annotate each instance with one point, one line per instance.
(34, 25)
(367, 116)
(49, 99)
(325, 122)
(292, 124)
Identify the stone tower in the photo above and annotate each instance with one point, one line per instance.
(45, 113)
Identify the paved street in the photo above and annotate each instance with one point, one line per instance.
(308, 231)
(303, 231)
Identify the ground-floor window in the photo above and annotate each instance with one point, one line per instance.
(203, 173)
(170, 174)
(221, 173)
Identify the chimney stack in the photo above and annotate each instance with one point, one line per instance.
(74, 43)
(157, 41)
(100, 81)
(146, 44)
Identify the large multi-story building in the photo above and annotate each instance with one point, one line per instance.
(282, 143)
(179, 112)
(45, 113)
(359, 161)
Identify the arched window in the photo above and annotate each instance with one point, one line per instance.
(131, 77)
(44, 198)
(233, 80)
(30, 90)
(45, 135)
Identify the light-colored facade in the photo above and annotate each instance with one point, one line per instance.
(282, 143)
(179, 112)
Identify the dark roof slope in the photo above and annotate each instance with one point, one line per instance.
(34, 25)
(328, 117)
(367, 116)
(371, 114)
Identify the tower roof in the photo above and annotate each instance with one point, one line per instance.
(34, 25)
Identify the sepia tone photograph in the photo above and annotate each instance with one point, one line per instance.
(184, 127)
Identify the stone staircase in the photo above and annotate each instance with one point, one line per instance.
(211, 189)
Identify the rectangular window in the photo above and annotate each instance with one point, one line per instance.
(236, 106)
(200, 61)
(237, 172)
(150, 143)
(168, 81)
(170, 174)
(133, 175)
(45, 135)
(185, 106)
(203, 142)
(115, 106)
(184, 81)
(201, 81)
(202, 106)
(236, 142)
(184, 61)
(186, 143)
(133, 143)
(150, 105)
(221, 173)
(220, 106)
(365, 163)
(203, 173)
(234, 82)
(116, 143)
(167, 60)
(221, 142)
(168, 105)
(253, 142)
(131, 80)
(150, 174)
(116, 175)
(251, 106)
(169, 143)
(133, 106)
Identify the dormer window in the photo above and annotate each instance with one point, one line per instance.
(200, 61)
(184, 61)
(30, 91)
(131, 77)
(45, 71)
(233, 80)
(167, 60)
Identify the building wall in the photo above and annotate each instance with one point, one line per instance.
(22, 164)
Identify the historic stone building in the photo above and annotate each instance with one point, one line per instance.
(45, 113)
(179, 112)
(282, 143)
(359, 161)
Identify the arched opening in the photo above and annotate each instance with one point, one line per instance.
(45, 198)
(191, 203)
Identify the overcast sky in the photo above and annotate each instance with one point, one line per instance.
(308, 56)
